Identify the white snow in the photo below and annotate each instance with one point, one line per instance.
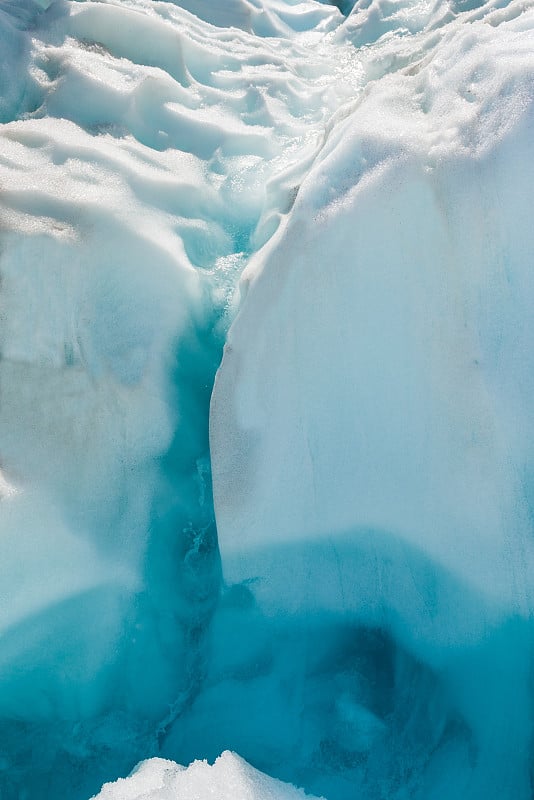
(229, 778)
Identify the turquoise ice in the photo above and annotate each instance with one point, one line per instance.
(265, 399)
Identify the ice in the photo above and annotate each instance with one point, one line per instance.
(352, 615)
(145, 155)
(228, 778)
(370, 425)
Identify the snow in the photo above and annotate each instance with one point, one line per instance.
(351, 609)
(228, 778)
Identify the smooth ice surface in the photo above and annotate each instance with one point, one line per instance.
(365, 629)
(227, 779)
(371, 422)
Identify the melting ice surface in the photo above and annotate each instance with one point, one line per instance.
(349, 608)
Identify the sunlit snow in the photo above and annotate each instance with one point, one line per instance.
(227, 779)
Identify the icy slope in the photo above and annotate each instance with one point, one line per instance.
(145, 153)
(370, 425)
(229, 778)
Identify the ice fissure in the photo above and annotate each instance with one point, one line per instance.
(265, 386)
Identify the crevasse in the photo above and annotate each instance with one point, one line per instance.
(343, 197)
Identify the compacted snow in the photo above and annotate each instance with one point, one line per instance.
(229, 778)
(327, 565)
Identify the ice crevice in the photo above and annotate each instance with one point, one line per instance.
(324, 562)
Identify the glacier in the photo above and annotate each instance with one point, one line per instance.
(266, 372)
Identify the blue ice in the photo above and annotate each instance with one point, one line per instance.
(265, 389)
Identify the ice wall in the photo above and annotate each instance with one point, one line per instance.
(371, 424)
(370, 427)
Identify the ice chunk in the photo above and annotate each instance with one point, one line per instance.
(229, 778)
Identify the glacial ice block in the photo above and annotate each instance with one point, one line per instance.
(371, 425)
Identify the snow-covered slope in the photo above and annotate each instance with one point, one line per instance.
(370, 427)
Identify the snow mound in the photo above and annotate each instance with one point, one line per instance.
(229, 778)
